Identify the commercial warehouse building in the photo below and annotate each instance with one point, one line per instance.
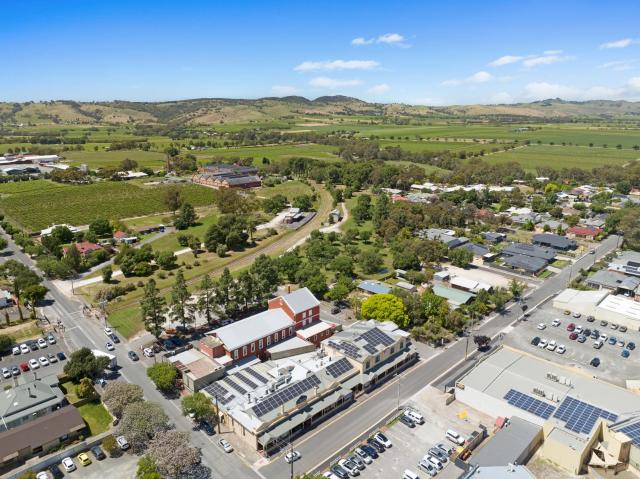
(601, 305)
(574, 409)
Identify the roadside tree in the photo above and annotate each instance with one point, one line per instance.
(173, 454)
(153, 309)
(163, 375)
(385, 307)
(118, 395)
(140, 422)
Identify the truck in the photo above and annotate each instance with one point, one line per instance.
(113, 361)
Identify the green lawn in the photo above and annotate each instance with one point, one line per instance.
(96, 416)
(44, 205)
(169, 242)
(560, 263)
(290, 189)
(535, 156)
(112, 159)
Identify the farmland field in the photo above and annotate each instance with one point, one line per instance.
(534, 156)
(290, 189)
(112, 159)
(274, 153)
(79, 205)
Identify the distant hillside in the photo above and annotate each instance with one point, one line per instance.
(326, 109)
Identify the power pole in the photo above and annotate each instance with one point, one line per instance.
(217, 413)
(292, 461)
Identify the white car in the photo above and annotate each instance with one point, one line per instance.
(108, 331)
(381, 438)
(541, 326)
(329, 475)
(349, 467)
(42, 343)
(42, 475)
(292, 456)
(68, 464)
(448, 450)
(434, 460)
(552, 345)
(561, 349)
(6, 373)
(603, 338)
(543, 343)
(33, 363)
(122, 442)
(51, 338)
(109, 346)
(224, 444)
(16, 350)
(43, 361)
(363, 455)
(24, 349)
(148, 352)
(455, 437)
(555, 323)
(429, 468)
(579, 329)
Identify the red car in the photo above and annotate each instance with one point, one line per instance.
(24, 367)
(573, 336)
(571, 326)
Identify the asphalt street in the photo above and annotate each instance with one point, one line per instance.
(81, 331)
(324, 444)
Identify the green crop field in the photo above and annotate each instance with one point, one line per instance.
(438, 146)
(112, 159)
(78, 205)
(534, 156)
(274, 153)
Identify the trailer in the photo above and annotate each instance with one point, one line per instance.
(113, 361)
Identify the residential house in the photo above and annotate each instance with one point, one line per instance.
(627, 262)
(587, 232)
(526, 264)
(124, 237)
(554, 241)
(546, 254)
(444, 236)
(455, 297)
(469, 285)
(85, 248)
(477, 249)
(30, 400)
(619, 283)
(374, 287)
(494, 237)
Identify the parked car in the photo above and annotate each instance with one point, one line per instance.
(24, 349)
(586, 332)
(16, 350)
(6, 373)
(414, 415)
(595, 362)
(98, 453)
(378, 436)
(407, 421)
(552, 345)
(33, 345)
(561, 349)
(603, 323)
(603, 337)
(576, 314)
(357, 461)
(363, 455)
(108, 331)
(597, 344)
(571, 326)
(24, 367)
(566, 312)
(543, 343)
(590, 319)
(371, 451)
(68, 464)
(148, 352)
(33, 363)
(43, 361)
(292, 456)
(42, 475)
(133, 356)
(595, 334)
(555, 323)
(349, 466)
(207, 427)
(613, 326)
(55, 471)
(339, 471)
(51, 339)
(612, 340)
(622, 329)
(15, 371)
(379, 447)
(52, 358)
(61, 356)
(409, 474)
(329, 475)
(436, 452)
(573, 336)
(435, 461)
(444, 447)
(427, 467)
(631, 345)
(226, 447)
(535, 340)
(541, 326)
(625, 353)
(579, 329)
(115, 339)
(42, 343)
(109, 346)
(620, 343)
(455, 437)
(122, 442)
(84, 459)
(582, 338)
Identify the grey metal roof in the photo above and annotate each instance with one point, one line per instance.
(476, 249)
(555, 241)
(508, 445)
(526, 263)
(253, 328)
(493, 236)
(25, 399)
(500, 472)
(612, 280)
(300, 300)
(529, 250)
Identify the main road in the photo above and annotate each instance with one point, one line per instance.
(331, 438)
(80, 331)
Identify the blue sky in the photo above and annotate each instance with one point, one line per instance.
(423, 52)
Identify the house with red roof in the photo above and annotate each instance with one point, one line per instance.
(586, 232)
(85, 248)
(124, 237)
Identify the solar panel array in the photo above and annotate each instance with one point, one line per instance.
(347, 348)
(580, 416)
(219, 392)
(235, 385)
(245, 380)
(529, 404)
(338, 368)
(633, 431)
(281, 397)
(375, 337)
(257, 375)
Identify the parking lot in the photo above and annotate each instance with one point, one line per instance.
(10, 360)
(411, 444)
(124, 466)
(613, 367)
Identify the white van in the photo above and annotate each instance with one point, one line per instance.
(434, 460)
(414, 415)
(455, 438)
(409, 475)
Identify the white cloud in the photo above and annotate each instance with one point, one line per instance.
(619, 65)
(283, 90)
(379, 89)
(625, 42)
(479, 77)
(544, 90)
(505, 60)
(388, 38)
(332, 83)
(502, 97)
(543, 60)
(337, 65)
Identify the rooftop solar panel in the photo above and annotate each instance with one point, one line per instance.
(580, 416)
(347, 348)
(219, 392)
(257, 375)
(245, 380)
(338, 368)
(235, 385)
(286, 394)
(529, 404)
(375, 336)
(633, 431)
